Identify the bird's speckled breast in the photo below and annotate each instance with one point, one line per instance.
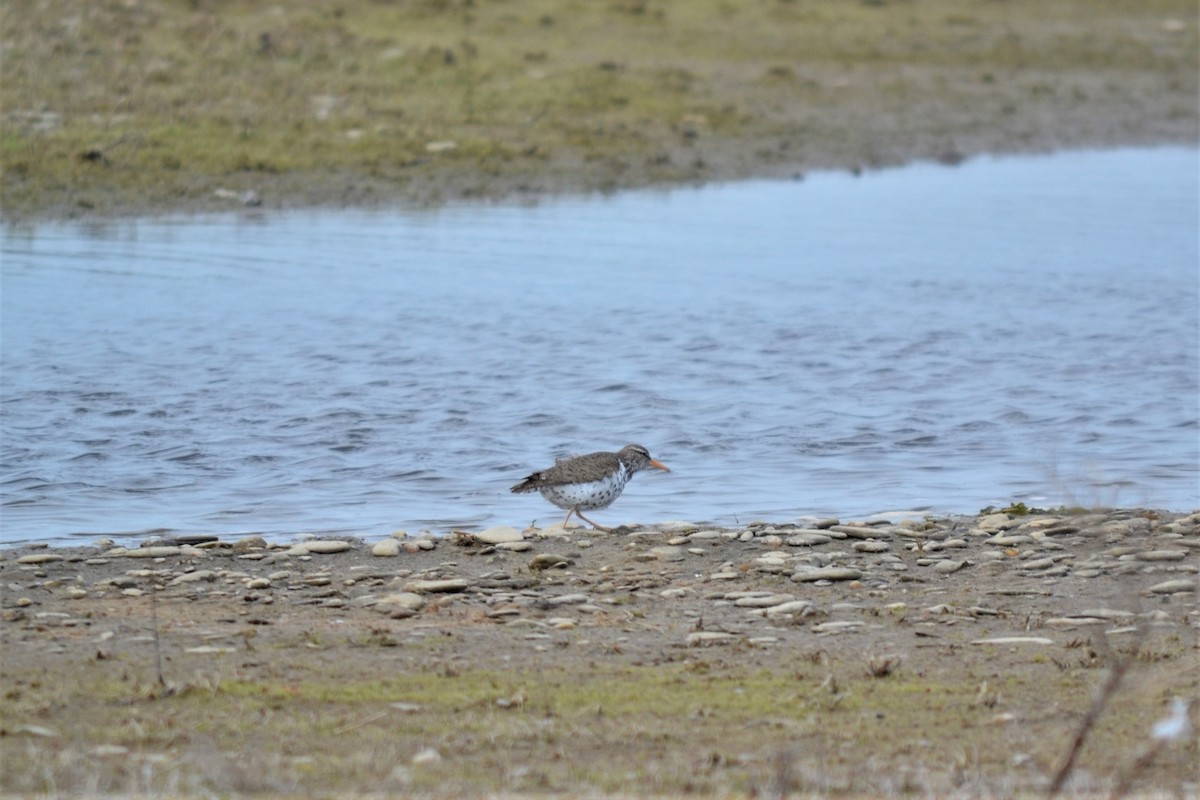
(588, 496)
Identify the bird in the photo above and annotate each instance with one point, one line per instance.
(589, 482)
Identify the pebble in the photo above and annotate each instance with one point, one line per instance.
(319, 547)
(1010, 541)
(826, 574)
(386, 548)
(995, 522)
(446, 585)
(870, 546)
(39, 558)
(1171, 587)
(1162, 555)
(801, 607)
(499, 535)
(946, 566)
(154, 552)
(199, 575)
(548, 561)
(765, 601)
(807, 539)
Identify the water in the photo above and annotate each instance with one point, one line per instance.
(921, 339)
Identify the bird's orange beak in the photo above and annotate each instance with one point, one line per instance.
(659, 465)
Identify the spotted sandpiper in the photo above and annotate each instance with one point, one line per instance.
(585, 483)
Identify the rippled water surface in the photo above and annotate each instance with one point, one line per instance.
(928, 338)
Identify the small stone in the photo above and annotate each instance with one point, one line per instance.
(812, 574)
(801, 607)
(443, 586)
(400, 604)
(321, 547)
(549, 560)
(1162, 555)
(870, 547)
(764, 601)
(206, 575)
(426, 756)
(665, 552)
(1010, 541)
(258, 583)
(807, 539)
(152, 552)
(1171, 587)
(386, 548)
(23, 602)
(565, 599)
(995, 522)
(76, 593)
(515, 547)
(39, 558)
(499, 535)
(1015, 640)
(947, 566)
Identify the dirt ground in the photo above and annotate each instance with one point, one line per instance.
(953, 657)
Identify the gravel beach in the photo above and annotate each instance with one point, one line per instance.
(951, 656)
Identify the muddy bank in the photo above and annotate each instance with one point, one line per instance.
(139, 107)
(950, 656)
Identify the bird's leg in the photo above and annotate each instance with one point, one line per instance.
(569, 513)
(593, 524)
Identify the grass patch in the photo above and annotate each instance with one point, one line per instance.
(113, 101)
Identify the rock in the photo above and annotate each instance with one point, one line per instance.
(665, 553)
(994, 522)
(153, 552)
(320, 547)
(870, 547)
(1162, 555)
(1015, 640)
(386, 548)
(206, 575)
(443, 586)
(839, 626)
(400, 605)
(1010, 541)
(549, 560)
(764, 601)
(258, 583)
(800, 607)
(946, 566)
(811, 574)
(807, 539)
(565, 599)
(499, 535)
(428, 755)
(515, 547)
(39, 558)
(1171, 587)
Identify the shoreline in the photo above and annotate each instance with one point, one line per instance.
(373, 106)
(694, 660)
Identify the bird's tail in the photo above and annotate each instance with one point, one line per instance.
(530, 484)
